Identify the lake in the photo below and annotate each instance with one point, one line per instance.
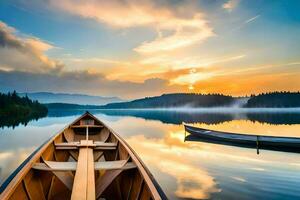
(184, 169)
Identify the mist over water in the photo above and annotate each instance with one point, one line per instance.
(233, 109)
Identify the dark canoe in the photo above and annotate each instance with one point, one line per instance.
(290, 144)
(86, 160)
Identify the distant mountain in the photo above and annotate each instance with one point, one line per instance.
(48, 97)
(177, 100)
(181, 100)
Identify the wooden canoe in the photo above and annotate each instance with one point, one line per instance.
(87, 160)
(290, 144)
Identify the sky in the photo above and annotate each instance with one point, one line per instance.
(137, 48)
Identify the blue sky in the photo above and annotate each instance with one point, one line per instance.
(143, 48)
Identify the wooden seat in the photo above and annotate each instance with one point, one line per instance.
(67, 144)
(55, 166)
(95, 145)
(84, 126)
(71, 166)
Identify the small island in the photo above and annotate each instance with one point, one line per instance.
(15, 109)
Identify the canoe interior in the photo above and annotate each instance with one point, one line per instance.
(286, 144)
(118, 173)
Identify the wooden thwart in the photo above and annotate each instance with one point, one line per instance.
(84, 126)
(68, 166)
(71, 166)
(95, 145)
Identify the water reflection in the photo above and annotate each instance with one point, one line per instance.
(185, 170)
(189, 170)
(177, 117)
(13, 121)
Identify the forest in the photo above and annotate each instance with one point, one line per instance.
(177, 100)
(274, 100)
(15, 109)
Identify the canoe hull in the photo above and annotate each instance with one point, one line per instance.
(289, 144)
(64, 163)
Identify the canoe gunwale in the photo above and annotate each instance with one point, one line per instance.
(158, 192)
(238, 134)
(17, 176)
(287, 144)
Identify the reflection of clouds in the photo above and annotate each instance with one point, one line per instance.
(240, 179)
(173, 140)
(188, 170)
(257, 169)
(192, 181)
(4, 155)
(10, 160)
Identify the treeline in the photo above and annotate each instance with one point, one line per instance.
(194, 100)
(15, 109)
(176, 100)
(274, 100)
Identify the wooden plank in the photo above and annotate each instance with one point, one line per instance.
(72, 166)
(145, 194)
(75, 148)
(84, 181)
(75, 145)
(20, 193)
(79, 190)
(105, 148)
(86, 143)
(97, 155)
(66, 148)
(67, 144)
(91, 190)
(105, 144)
(114, 165)
(66, 178)
(84, 126)
(104, 134)
(74, 154)
(56, 166)
(33, 186)
(104, 181)
(137, 180)
(50, 188)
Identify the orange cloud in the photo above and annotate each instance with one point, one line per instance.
(24, 54)
(185, 30)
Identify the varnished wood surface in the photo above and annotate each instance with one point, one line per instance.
(79, 163)
(84, 181)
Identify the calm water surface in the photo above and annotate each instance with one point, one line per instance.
(185, 170)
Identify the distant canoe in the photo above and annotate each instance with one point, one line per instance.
(290, 144)
(87, 160)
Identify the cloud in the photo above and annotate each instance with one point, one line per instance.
(252, 19)
(175, 27)
(186, 32)
(175, 62)
(24, 54)
(230, 5)
(252, 80)
(83, 82)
